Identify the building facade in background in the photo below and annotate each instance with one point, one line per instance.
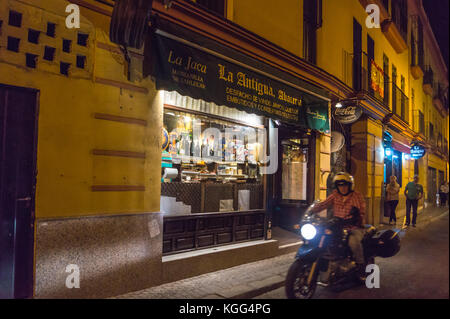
(120, 160)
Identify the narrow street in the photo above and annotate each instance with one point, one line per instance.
(420, 270)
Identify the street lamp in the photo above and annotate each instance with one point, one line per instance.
(388, 152)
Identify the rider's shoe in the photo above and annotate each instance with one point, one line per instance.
(361, 273)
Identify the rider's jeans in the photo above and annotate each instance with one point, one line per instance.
(355, 242)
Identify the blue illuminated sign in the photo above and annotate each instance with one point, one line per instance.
(417, 151)
(388, 152)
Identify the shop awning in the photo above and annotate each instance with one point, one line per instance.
(400, 147)
(221, 75)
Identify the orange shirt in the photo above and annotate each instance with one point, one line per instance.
(343, 204)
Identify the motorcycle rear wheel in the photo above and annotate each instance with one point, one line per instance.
(296, 281)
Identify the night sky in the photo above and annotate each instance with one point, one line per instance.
(437, 11)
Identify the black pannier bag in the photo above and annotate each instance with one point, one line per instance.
(386, 243)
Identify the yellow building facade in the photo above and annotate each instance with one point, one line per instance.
(335, 44)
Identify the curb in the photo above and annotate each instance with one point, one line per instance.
(259, 291)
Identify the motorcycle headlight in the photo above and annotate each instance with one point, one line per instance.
(308, 231)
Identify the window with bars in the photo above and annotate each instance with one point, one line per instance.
(431, 132)
(417, 49)
(312, 20)
(386, 80)
(420, 52)
(419, 122)
(399, 14)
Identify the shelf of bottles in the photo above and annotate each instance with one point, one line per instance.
(209, 165)
(200, 148)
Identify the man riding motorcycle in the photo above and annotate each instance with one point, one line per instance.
(348, 204)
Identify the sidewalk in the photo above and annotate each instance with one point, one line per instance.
(424, 216)
(248, 280)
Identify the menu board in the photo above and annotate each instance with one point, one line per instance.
(294, 181)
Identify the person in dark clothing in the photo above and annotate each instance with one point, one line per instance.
(392, 190)
(414, 193)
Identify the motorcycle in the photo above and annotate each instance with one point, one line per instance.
(326, 259)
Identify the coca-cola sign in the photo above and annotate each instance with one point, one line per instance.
(348, 114)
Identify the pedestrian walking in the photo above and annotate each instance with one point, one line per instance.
(443, 194)
(414, 193)
(392, 191)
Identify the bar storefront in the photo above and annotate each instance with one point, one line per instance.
(235, 138)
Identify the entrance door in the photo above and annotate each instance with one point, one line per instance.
(431, 183)
(293, 186)
(18, 131)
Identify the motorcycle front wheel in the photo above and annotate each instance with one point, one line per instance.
(297, 281)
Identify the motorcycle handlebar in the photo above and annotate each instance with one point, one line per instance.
(308, 212)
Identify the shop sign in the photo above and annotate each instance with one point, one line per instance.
(200, 75)
(348, 114)
(417, 151)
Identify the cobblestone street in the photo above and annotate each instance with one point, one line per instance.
(265, 279)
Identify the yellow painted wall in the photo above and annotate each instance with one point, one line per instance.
(68, 130)
(278, 22)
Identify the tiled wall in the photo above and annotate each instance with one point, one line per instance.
(34, 38)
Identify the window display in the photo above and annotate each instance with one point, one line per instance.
(209, 165)
(203, 148)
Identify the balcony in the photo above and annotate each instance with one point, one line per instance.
(395, 29)
(445, 148)
(417, 50)
(394, 36)
(428, 82)
(417, 69)
(440, 142)
(416, 72)
(400, 103)
(419, 122)
(431, 135)
(440, 100)
(369, 78)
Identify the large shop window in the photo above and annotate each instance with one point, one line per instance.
(210, 163)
